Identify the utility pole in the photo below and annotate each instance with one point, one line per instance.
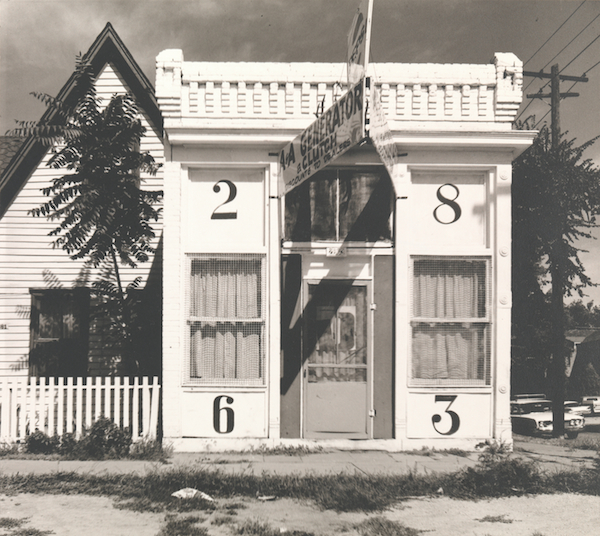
(557, 256)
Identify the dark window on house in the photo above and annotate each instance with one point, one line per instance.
(340, 205)
(59, 332)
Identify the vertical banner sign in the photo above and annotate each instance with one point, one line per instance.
(380, 133)
(341, 127)
(359, 40)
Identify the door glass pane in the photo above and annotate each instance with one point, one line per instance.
(336, 331)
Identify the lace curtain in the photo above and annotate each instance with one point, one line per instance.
(449, 334)
(226, 319)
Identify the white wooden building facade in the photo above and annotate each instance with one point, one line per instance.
(354, 307)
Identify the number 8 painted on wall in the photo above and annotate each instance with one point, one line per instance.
(449, 203)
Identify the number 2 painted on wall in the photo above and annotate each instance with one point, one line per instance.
(224, 214)
(437, 418)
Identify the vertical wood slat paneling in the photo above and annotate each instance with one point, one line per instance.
(135, 414)
(98, 402)
(29, 404)
(117, 399)
(50, 403)
(60, 414)
(70, 405)
(88, 404)
(79, 408)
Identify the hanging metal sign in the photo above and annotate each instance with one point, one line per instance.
(359, 39)
(380, 133)
(341, 127)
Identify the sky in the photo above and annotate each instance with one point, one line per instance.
(39, 40)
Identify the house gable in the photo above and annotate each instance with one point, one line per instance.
(107, 49)
(28, 262)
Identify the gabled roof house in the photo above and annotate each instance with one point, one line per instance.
(44, 295)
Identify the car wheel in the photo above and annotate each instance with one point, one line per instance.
(572, 435)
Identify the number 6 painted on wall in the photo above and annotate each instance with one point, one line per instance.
(229, 415)
(435, 419)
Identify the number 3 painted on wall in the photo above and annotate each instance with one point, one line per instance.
(437, 418)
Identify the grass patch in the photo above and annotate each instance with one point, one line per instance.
(256, 527)
(495, 475)
(582, 443)
(150, 450)
(9, 450)
(231, 507)
(495, 519)
(11, 522)
(223, 520)
(286, 450)
(28, 531)
(426, 451)
(183, 526)
(103, 440)
(380, 526)
(15, 528)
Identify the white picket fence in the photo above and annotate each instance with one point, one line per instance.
(71, 405)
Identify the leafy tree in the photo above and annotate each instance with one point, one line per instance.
(102, 212)
(580, 315)
(584, 381)
(556, 198)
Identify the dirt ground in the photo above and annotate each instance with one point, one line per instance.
(546, 515)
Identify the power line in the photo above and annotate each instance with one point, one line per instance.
(574, 84)
(591, 43)
(546, 84)
(563, 49)
(584, 1)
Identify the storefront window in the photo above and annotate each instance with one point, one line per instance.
(450, 321)
(340, 205)
(226, 319)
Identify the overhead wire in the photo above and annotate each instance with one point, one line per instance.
(577, 56)
(589, 45)
(565, 47)
(555, 32)
(572, 86)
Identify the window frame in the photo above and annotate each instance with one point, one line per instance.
(191, 320)
(486, 321)
(336, 175)
(78, 295)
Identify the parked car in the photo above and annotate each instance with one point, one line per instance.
(576, 407)
(593, 402)
(534, 417)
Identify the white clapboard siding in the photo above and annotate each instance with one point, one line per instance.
(57, 406)
(27, 259)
